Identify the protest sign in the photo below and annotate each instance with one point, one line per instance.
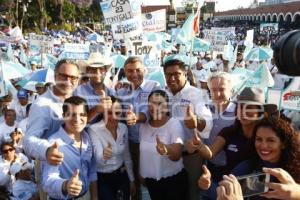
(174, 33)
(127, 29)
(76, 51)
(41, 44)
(268, 28)
(154, 21)
(290, 97)
(148, 52)
(116, 11)
(3, 91)
(219, 37)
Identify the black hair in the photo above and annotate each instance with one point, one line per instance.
(75, 100)
(7, 144)
(160, 93)
(64, 61)
(174, 62)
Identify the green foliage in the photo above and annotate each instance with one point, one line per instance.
(36, 17)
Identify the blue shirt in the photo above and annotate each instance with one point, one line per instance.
(45, 118)
(138, 98)
(220, 121)
(75, 158)
(87, 92)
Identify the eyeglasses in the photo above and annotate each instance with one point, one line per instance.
(5, 151)
(66, 77)
(176, 75)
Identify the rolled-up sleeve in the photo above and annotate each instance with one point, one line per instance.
(52, 182)
(203, 112)
(38, 125)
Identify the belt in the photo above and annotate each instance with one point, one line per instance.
(73, 198)
(120, 170)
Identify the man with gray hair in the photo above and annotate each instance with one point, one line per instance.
(223, 111)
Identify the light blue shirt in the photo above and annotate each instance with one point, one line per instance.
(220, 121)
(87, 92)
(45, 118)
(75, 158)
(138, 98)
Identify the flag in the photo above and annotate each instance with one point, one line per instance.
(190, 27)
(196, 21)
(260, 78)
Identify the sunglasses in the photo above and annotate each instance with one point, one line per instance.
(7, 150)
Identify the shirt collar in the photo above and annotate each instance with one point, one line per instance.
(142, 86)
(51, 95)
(64, 135)
(185, 87)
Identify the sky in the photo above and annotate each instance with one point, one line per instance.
(221, 5)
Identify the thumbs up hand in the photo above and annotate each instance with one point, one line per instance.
(204, 181)
(190, 119)
(193, 144)
(107, 152)
(131, 117)
(105, 102)
(53, 155)
(74, 185)
(161, 147)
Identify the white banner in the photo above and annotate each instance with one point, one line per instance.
(40, 43)
(149, 53)
(116, 11)
(127, 29)
(290, 97)
(219, 37)
(269, 28)
(3, 92)
(174, 33)
(154, 21)
(77, 51)
(250, 35)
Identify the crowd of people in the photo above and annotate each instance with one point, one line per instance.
(81, 138)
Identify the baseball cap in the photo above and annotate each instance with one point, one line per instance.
(22, 94)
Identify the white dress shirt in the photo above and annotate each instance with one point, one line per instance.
(101, 136)
(5, 131)
(152, 164)
(190, 95)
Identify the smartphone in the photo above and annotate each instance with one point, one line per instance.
(254, 184)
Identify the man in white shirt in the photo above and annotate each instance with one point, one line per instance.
(188, 106)
(8, 125)
(20, 105)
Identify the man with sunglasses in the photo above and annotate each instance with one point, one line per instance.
(45, 116)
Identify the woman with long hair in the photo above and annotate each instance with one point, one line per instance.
(277, 145)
